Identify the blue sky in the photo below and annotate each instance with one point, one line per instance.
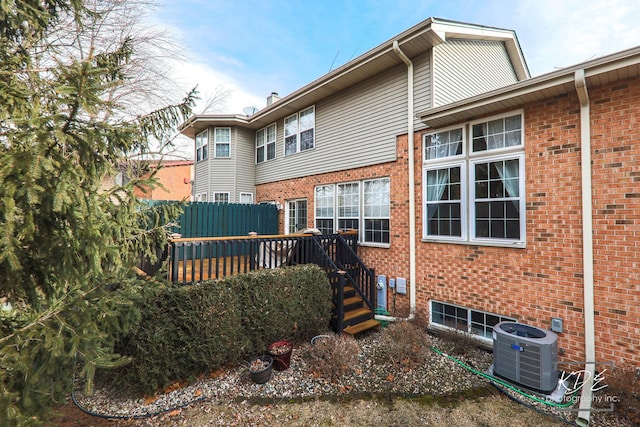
(254, 47)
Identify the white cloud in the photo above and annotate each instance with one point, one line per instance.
(209, 82)
(557, 34)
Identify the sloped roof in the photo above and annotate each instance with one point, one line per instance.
(412, 42)
(617, 66)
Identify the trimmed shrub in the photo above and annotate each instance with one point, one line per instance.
(189, 330)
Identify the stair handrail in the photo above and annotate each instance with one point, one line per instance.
(341, 277)
(363, 271)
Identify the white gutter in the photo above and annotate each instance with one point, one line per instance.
(584, 411)
(412, 188)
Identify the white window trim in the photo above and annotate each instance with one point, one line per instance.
(464, 184)
(469, 310)
(361, 216)
(468, 159)
(315, 206)
(521, 203)
(245, 194)
(215, 193)
(446, 159)
(496, 151)
(298, 139)
(202, 145)
(266, 143)
(287, 216)
(216, 143)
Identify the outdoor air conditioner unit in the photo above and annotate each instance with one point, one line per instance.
(526, 355)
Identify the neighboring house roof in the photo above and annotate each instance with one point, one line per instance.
(606, 69)
(412, 42)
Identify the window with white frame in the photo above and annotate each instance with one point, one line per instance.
(201, 197)
(475, 322)
(202, 143)
(246, 198)
(349, 206)
(222, 142)
(361, 205)
(299, 131)
(473, 187)
(324, 205)
(376, 202)
(266, 143)
(296, 215)
(221, 197)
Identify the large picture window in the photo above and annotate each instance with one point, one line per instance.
(299, 131)
(473, 188)
(361, 205)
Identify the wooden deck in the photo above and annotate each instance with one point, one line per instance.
(211, 268)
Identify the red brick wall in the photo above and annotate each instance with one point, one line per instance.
(545, 279)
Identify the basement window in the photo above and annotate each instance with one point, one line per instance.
(463, 319)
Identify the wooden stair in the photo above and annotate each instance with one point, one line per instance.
(357, 317)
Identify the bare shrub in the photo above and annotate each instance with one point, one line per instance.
(623, 383)
(457, 343)
(405, 343)
(334, 356)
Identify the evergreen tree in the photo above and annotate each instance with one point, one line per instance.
(68, 241)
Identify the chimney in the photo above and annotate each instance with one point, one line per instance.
(272, 98)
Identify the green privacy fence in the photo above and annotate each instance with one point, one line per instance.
(206, 219)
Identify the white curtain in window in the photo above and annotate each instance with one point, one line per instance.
(509, 172)
(437, 182)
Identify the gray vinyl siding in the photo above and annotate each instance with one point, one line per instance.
(355, 128)
(422, 87)
(464, 68)
(244, 143)
(201, 174)
(222, 171)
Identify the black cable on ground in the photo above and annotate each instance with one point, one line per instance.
(133, 417)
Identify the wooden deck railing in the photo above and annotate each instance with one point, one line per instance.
(197, 259)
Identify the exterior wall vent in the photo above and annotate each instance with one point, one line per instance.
(526, 355)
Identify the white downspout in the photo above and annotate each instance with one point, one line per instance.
(584, 411)
(412, 185)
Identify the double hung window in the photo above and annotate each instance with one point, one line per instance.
(222, 142)
(299, 131)
(324, 205)
(473, 185)
(202, 143)
(266, 143)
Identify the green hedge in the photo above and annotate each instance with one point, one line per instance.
(189, 330)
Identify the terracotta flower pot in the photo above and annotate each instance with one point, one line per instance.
(260, 369)
(281, 353)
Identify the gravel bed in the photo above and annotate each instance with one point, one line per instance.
(439, 377)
